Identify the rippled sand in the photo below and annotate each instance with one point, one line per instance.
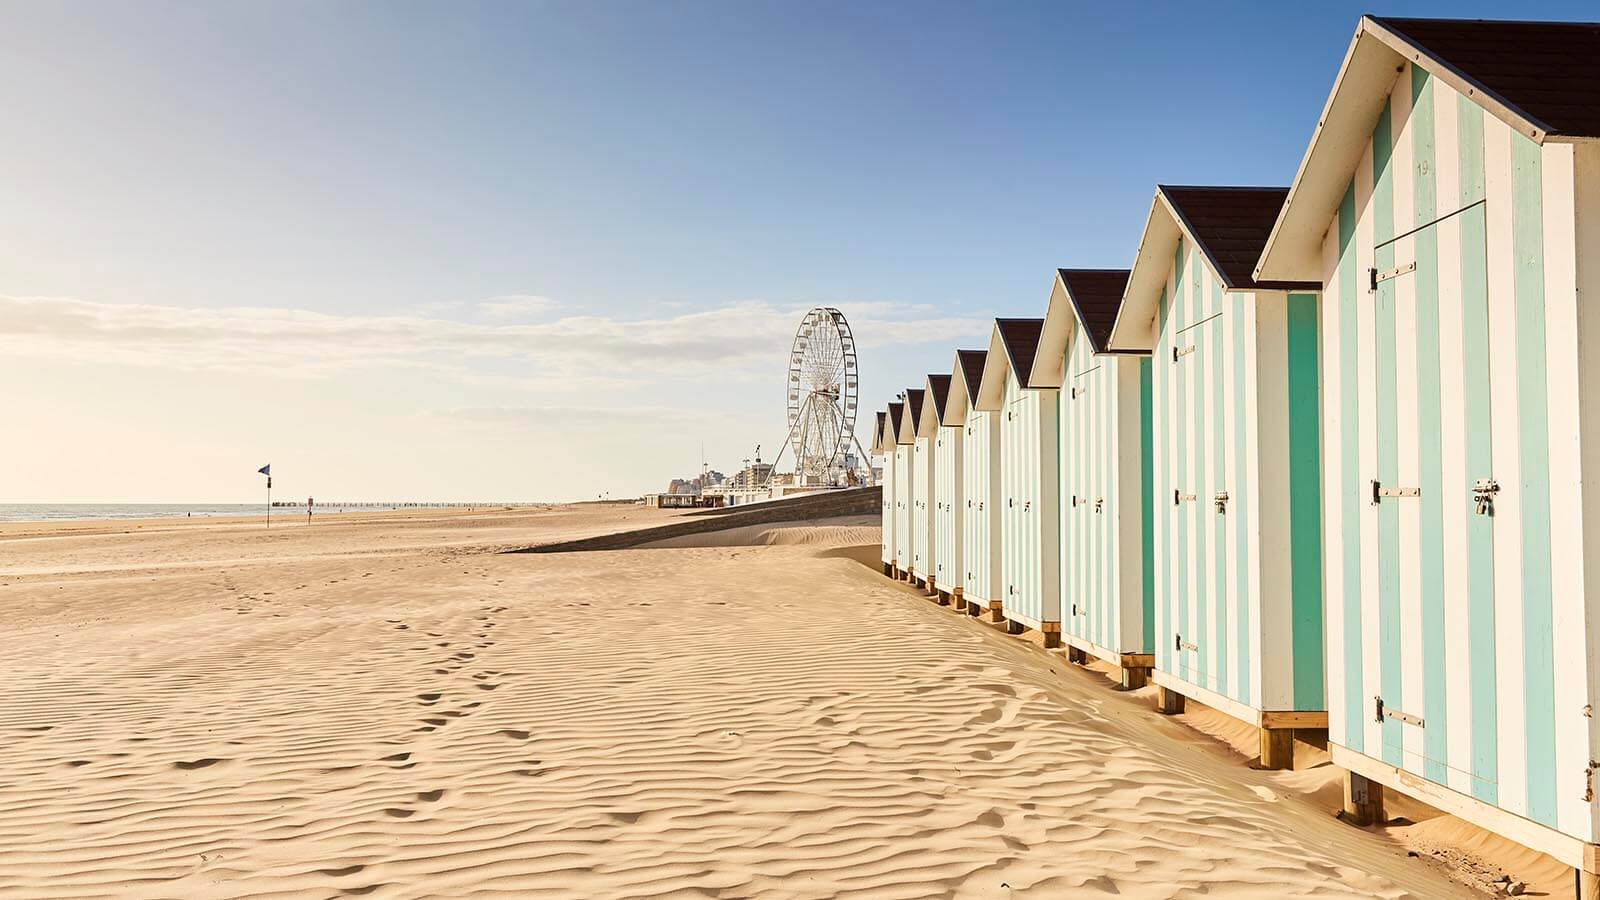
(384, 708)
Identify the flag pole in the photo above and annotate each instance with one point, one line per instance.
(269, 501)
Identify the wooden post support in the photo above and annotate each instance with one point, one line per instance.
(1133, 678)
(959, 601)
(1277, 748)
(1077, 655)
(997, 612)
(1363, 801)
(1052, 634)
(1013, 627)
(1168, 701)
(1588, 885)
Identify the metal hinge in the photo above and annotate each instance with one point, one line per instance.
(1483, 495)
(1380, 277)
(1379, 492)
(1380, 712)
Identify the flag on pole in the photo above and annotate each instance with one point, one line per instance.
(266, 470)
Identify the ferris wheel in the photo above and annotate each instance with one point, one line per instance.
(822, 394)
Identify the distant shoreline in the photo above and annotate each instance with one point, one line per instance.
(86, 512)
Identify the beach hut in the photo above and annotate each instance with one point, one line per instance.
(905, 431)
(1449, 203)
(883, 445)
(924, 433)
(1107, 539)
(947, 495)
(980, 486)
(1237, 537)
(1030, 524)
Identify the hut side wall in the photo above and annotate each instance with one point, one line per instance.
(1105, 490)
(1238, 594)
(903, 504)
(887, 526)
(980, 523)
(922, 464)
(948, 463)
(1030, 515)
(1466, 367)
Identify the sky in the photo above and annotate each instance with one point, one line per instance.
(549, 251)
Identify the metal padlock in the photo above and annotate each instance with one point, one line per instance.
(1483, 495)
(1221, 500)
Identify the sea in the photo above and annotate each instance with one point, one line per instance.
(47, 512)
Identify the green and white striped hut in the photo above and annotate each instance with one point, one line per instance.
(945, 574)
(1238, 540)
(883, 446)
(924, 433)
(980, 486)
(906, 494)
(1107, 537)
(1030, 518)
(1450, 205)
(893, 493)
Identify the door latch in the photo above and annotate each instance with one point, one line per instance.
(1379, 491)
(1099, 504)
(1483, 495)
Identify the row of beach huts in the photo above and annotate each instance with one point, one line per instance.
(1319, 459)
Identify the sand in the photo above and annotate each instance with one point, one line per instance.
(383, 706)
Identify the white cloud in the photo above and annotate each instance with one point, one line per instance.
(731, 340)
(517, 306)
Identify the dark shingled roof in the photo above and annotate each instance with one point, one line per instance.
(1097, 294)
(914, 405)
(941, 392)
(1549, 71)
(1231, 224)
(1021, 337)
(972, 369)
(894, 421)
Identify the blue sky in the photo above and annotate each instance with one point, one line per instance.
(545, 250)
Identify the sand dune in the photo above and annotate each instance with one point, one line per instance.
(373, 716)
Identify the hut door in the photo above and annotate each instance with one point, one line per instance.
(1431, 363)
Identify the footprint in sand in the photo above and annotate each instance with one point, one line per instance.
(485, 686)
(429, 697)
(430, 796)
(514, 733)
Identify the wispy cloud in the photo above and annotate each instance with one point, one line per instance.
(301, 343)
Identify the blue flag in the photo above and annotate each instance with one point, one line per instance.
(266, 469)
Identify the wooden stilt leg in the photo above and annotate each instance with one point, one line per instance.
(1052, 640)
(1077, 655)
(1588, 885)
(1363, 801)
(1168, 701)
(1277, 748)
(996, 612)
(1015, 627)
(959, 600)
(1133, 678)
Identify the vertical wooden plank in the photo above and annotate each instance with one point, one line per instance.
(1568, 621)
(1511, 745)
(1480, 408)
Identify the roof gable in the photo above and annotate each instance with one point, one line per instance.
(877, 432)
(906, 428)
(935, 398)
(1541, 78)
(1086, 299)
(891, 427)
(965, 376)
(1012, 347)
(1227, 225)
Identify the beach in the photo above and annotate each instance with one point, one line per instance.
(388, 705)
